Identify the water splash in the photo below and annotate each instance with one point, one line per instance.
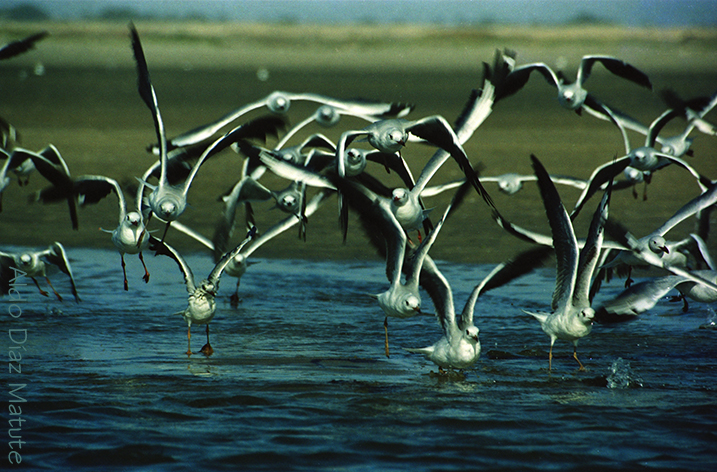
(622, 376)
(711, 322)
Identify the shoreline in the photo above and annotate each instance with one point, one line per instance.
(206, 45)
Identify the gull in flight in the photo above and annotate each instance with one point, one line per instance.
(653, 249)
(643, 296)
(510, 183)
(35, 264)
(278, 103)
(573, 95)
(166, 200)
(640, 161)
(239, 264)
(130, 236)
(201, 303)
(19, 163)
(50, 164)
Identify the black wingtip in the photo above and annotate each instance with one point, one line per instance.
(144, 84)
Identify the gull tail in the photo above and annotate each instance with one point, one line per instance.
(538, 316)
(426, 351)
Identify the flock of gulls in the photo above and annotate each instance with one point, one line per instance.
(396, 221)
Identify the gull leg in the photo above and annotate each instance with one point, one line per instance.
(234, 299)
(207, 348)
(628, 280)
(145, 277)
(550, 358)
(685, 305)
(144, 230)
(575, 356)
(53, 288)
(124, 273)
(166, 228)
(189, 340)
(385, 329)
(42, 292)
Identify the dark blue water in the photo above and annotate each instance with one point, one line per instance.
(299, 379)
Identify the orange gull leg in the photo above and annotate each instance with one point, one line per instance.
(207, 348)
(145, 277)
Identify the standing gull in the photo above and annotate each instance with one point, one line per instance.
(572, 315)
(201, 303)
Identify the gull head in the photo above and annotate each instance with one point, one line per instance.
(411, 305)
(237, 266)
(167, 209)
(291, 155)
(471, 334)
(133, 218)
(396, 137)
(278, 103)
(400, 303)
(643, 158)
(399, 196)
(658, 245)
(355, 162)
(586, 316)
(327, 116)
(568, 99)
(25, 259)
(572, 96)
(510, 184)
(288, 202)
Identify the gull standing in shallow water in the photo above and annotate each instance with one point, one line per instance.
(459, 348)
(201, 303)
(572, 315)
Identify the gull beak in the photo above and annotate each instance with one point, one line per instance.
(665, 250)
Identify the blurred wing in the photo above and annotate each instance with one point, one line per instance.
(20, 46)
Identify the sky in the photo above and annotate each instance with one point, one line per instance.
(447, 12)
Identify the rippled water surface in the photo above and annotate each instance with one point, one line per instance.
(299, 379)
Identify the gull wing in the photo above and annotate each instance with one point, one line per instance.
(224, 261)
(614, 65)
(57, 256)
(162, 248)
(564, 241)
(20, 46)
(146, 92)
(590, 252)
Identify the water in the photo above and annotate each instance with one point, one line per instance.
(299, 379)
